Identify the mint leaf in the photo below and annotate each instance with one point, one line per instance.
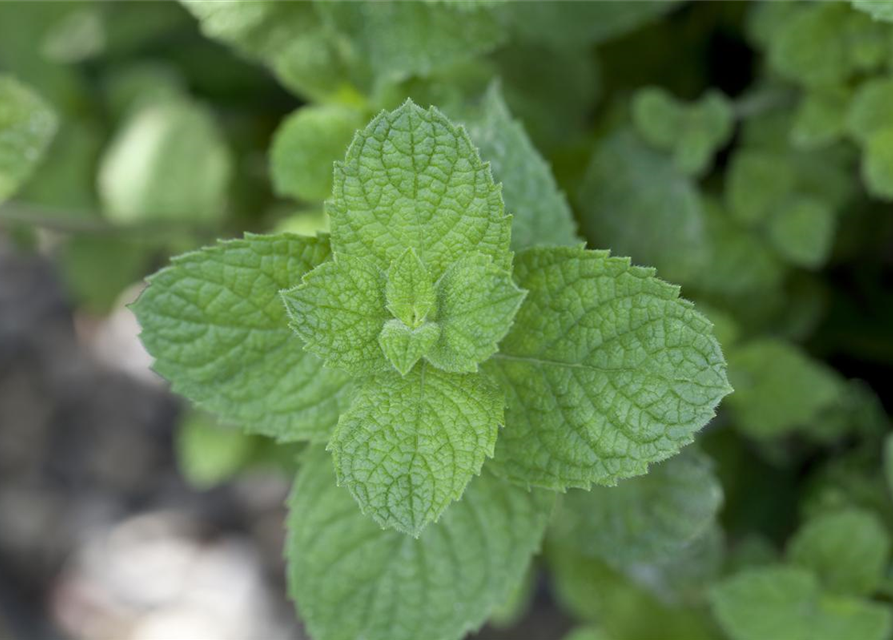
(605, 368)
(209, 453)
(881, 10)
(808, 48)
(821, 117)
(756, 181)
(404, 346)
(412, 179)
(410, 291)
(27, 124)
(647, 519)
(802, 230)
(635, 201)
(216, 327)
(692, 133)
(877, 164)
(587, 633)
(168, 162)
(476, 304)
(338, 311)
(569, 24)
(351, 579)
(778, 388)
(888, 462)
(785, 603)
(397, 40)
(408, 445)
(869, 110)
(306, 146)
(540, 212)
(848, 550)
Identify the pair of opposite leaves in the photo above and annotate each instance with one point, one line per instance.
(602, 371)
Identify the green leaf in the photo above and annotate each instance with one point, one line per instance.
(567, 24)
(848, 550)
(408, 446)
(404, 346)
(888, 462)
(208, 453)
(634, 200)
(338, 311)
(168, 162)
(27, 124)
(778, 388)
(869, 111)
(398, 40)
(306, 146)
(802, 230)
(808, 48)
(785, 603)
(410, 292)
(351, 579)
(412, 179)
(877, 164)
(692, 133)
(647, 519)
(756, 182)
(216, 326)
(605, 368)
(540, 212)
(477, 302)
(821, 117)
(881, 10)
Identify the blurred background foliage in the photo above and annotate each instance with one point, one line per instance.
(744, 149)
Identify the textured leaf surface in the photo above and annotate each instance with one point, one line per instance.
(646, 519)
(476, 303)
(606, 370)
(27, 124)
(404, 346)
(338, 311)
(409, 445)
(540, 212)
(848, 550)
(635, 201)
(168, 162)
(402, 39)
(778, 388)
(412, 179)
(352, 580)
(785, 603)
(306, 146)
(216, 326)
(410, 291)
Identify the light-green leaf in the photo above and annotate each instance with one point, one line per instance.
(410, 291)
(540, 212)
(27, 124)
(785, 603)
(404, 346)
(338, 311)
(802, 230)
(351, 579)
(168, 162)
(409, 445)
(778, 388)
(412, 179)
(216, 326)
(647, 519)
(848, 550)
(635, 201)
(398, 40)
(306, 146)
(476, 303)
(605, 368)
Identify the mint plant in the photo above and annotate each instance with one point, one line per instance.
(416, 345)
